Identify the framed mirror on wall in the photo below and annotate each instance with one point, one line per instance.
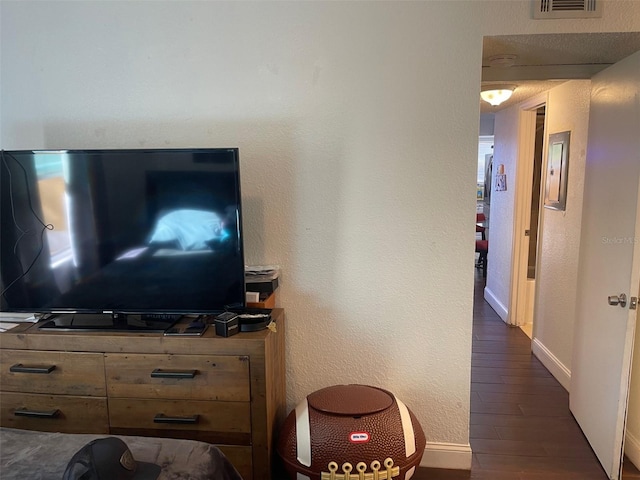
(555, 191)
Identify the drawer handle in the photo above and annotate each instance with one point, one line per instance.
(23, 412)
(19, 368)
(159, 373)
(161, 418)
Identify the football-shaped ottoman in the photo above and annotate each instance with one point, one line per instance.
(351, 432)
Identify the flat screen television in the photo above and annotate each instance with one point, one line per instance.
(129, 239)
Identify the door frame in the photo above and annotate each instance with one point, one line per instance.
(631, 338)
(522, 206)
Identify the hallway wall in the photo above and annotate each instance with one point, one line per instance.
(505, 152)
(559, 240)
(559, 237)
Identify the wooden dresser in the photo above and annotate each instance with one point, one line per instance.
(225, 391)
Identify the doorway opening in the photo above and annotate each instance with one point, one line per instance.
(535, 194)
(534, 220)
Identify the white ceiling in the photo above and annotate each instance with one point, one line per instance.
(545, 61)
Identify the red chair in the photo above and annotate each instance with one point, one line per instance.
(480, 217)
(482, 247)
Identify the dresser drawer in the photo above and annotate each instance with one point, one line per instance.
(54, 413)
(65, 373)
(194, 377)
(219, 422)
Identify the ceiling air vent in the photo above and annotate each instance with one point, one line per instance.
(544, 9)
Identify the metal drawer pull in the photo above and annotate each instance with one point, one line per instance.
(161, 418)
(159, 373)
(19, 368)
(23, 412)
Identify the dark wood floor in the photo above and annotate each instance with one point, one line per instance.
(521, 426)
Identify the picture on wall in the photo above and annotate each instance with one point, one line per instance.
(555, 192)
(501, 179)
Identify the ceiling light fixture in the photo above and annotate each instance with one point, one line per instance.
(497, 94)
(502, 60)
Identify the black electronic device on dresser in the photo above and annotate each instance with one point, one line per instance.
(120, 239)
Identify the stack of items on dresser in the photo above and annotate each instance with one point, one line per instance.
(262, 282)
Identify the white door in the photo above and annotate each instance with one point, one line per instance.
(609, 262)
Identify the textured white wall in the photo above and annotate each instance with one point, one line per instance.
(559, 243)
(357, 125)
(345, 176)
(505, 152)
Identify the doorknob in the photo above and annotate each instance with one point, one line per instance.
(618, 300)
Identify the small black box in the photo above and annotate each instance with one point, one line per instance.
(227, 324)
(264, 286)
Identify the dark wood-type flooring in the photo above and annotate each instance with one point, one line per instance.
(520, 427)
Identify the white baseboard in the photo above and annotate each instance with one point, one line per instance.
(555, 366)
(452, 456)
(496, 304)
(632, 448)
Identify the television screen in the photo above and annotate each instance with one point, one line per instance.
(121, 231)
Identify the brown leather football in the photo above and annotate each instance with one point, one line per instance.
(351, 431)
